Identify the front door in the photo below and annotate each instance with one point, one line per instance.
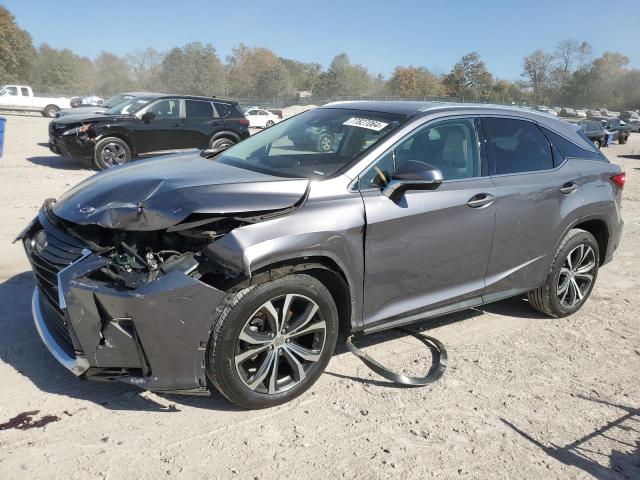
(428, 250)
(164, 131)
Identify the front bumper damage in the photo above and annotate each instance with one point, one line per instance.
(154, 337)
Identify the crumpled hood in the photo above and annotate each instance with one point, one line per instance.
(158, 193)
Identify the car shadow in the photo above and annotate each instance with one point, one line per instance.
(21, 347)
(623, 464)
(633, 157)
(61, 163)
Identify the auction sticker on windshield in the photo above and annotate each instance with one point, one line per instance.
(366, 123)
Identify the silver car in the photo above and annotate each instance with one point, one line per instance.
(237, 270)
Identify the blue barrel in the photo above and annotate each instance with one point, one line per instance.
(2, 123)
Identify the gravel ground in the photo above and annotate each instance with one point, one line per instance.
(524, 396)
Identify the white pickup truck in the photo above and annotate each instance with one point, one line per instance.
(21, 98)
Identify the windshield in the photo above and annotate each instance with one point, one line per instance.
(314, 144)
(117, 100)
(128, 106)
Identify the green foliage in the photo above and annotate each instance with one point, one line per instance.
(257, 72)
(194, 69)
(469, 78)
(61, 72)
(16, 49)
(343, 78)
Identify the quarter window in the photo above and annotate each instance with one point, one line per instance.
(25, 91)
(198, 109)
(450, 145)
(517, 146)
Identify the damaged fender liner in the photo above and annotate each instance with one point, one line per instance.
(170, 319)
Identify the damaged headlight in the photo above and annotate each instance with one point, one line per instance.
(78, 130)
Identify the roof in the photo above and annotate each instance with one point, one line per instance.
(177, 95)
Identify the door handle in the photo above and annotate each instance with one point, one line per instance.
(568, 187)
(176, 125)
(481, 200)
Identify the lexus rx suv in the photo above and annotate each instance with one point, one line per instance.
(237, 270)
(150, 124)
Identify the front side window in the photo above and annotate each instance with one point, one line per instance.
(449, 145)
(166, 109)
(517, 146)
(13, 91)
(314, 144)
(198, 109)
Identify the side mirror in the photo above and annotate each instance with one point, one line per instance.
(148, 116)
(413, 175)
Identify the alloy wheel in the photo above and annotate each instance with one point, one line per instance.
(576, 276)
(113, 154)
(279, 343)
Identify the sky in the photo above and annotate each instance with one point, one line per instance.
(375, 33)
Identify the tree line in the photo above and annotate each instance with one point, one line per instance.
(568, 76)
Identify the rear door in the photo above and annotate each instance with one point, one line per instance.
(428, 249)
(162, 133)
(200, 123)
(538, 196)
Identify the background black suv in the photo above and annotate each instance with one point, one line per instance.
(153, 124)
(594, 130)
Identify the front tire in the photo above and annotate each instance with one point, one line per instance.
(598, 144)
(272, 341)
(110, 152)
(571, 278)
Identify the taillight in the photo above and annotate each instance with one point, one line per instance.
(244, 121)
(619, 179)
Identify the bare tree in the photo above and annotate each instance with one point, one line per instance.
(570, 54)
(535, 69)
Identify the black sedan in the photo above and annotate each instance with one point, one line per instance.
(154, 124)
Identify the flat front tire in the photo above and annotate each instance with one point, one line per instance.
(272, 341)
(571, 278)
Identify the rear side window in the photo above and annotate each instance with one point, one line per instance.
(517, 146)
(25, 91)
(198, 109)
(223, 109)
(568, 149)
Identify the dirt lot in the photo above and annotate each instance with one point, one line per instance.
(523, 397)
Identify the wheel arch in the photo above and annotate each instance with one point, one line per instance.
(325, 269)
(600, 230)
(225, 134)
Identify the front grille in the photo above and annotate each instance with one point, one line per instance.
(60, 251)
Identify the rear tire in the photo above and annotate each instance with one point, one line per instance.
(598, 144)
(50, 111)
(269, 124)
(221, 143)
(622, 140)
(110, 152)
(288, 361)
(571, 278)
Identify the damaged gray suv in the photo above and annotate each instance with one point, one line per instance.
(237, 270)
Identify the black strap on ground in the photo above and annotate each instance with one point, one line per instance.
(438, 366)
